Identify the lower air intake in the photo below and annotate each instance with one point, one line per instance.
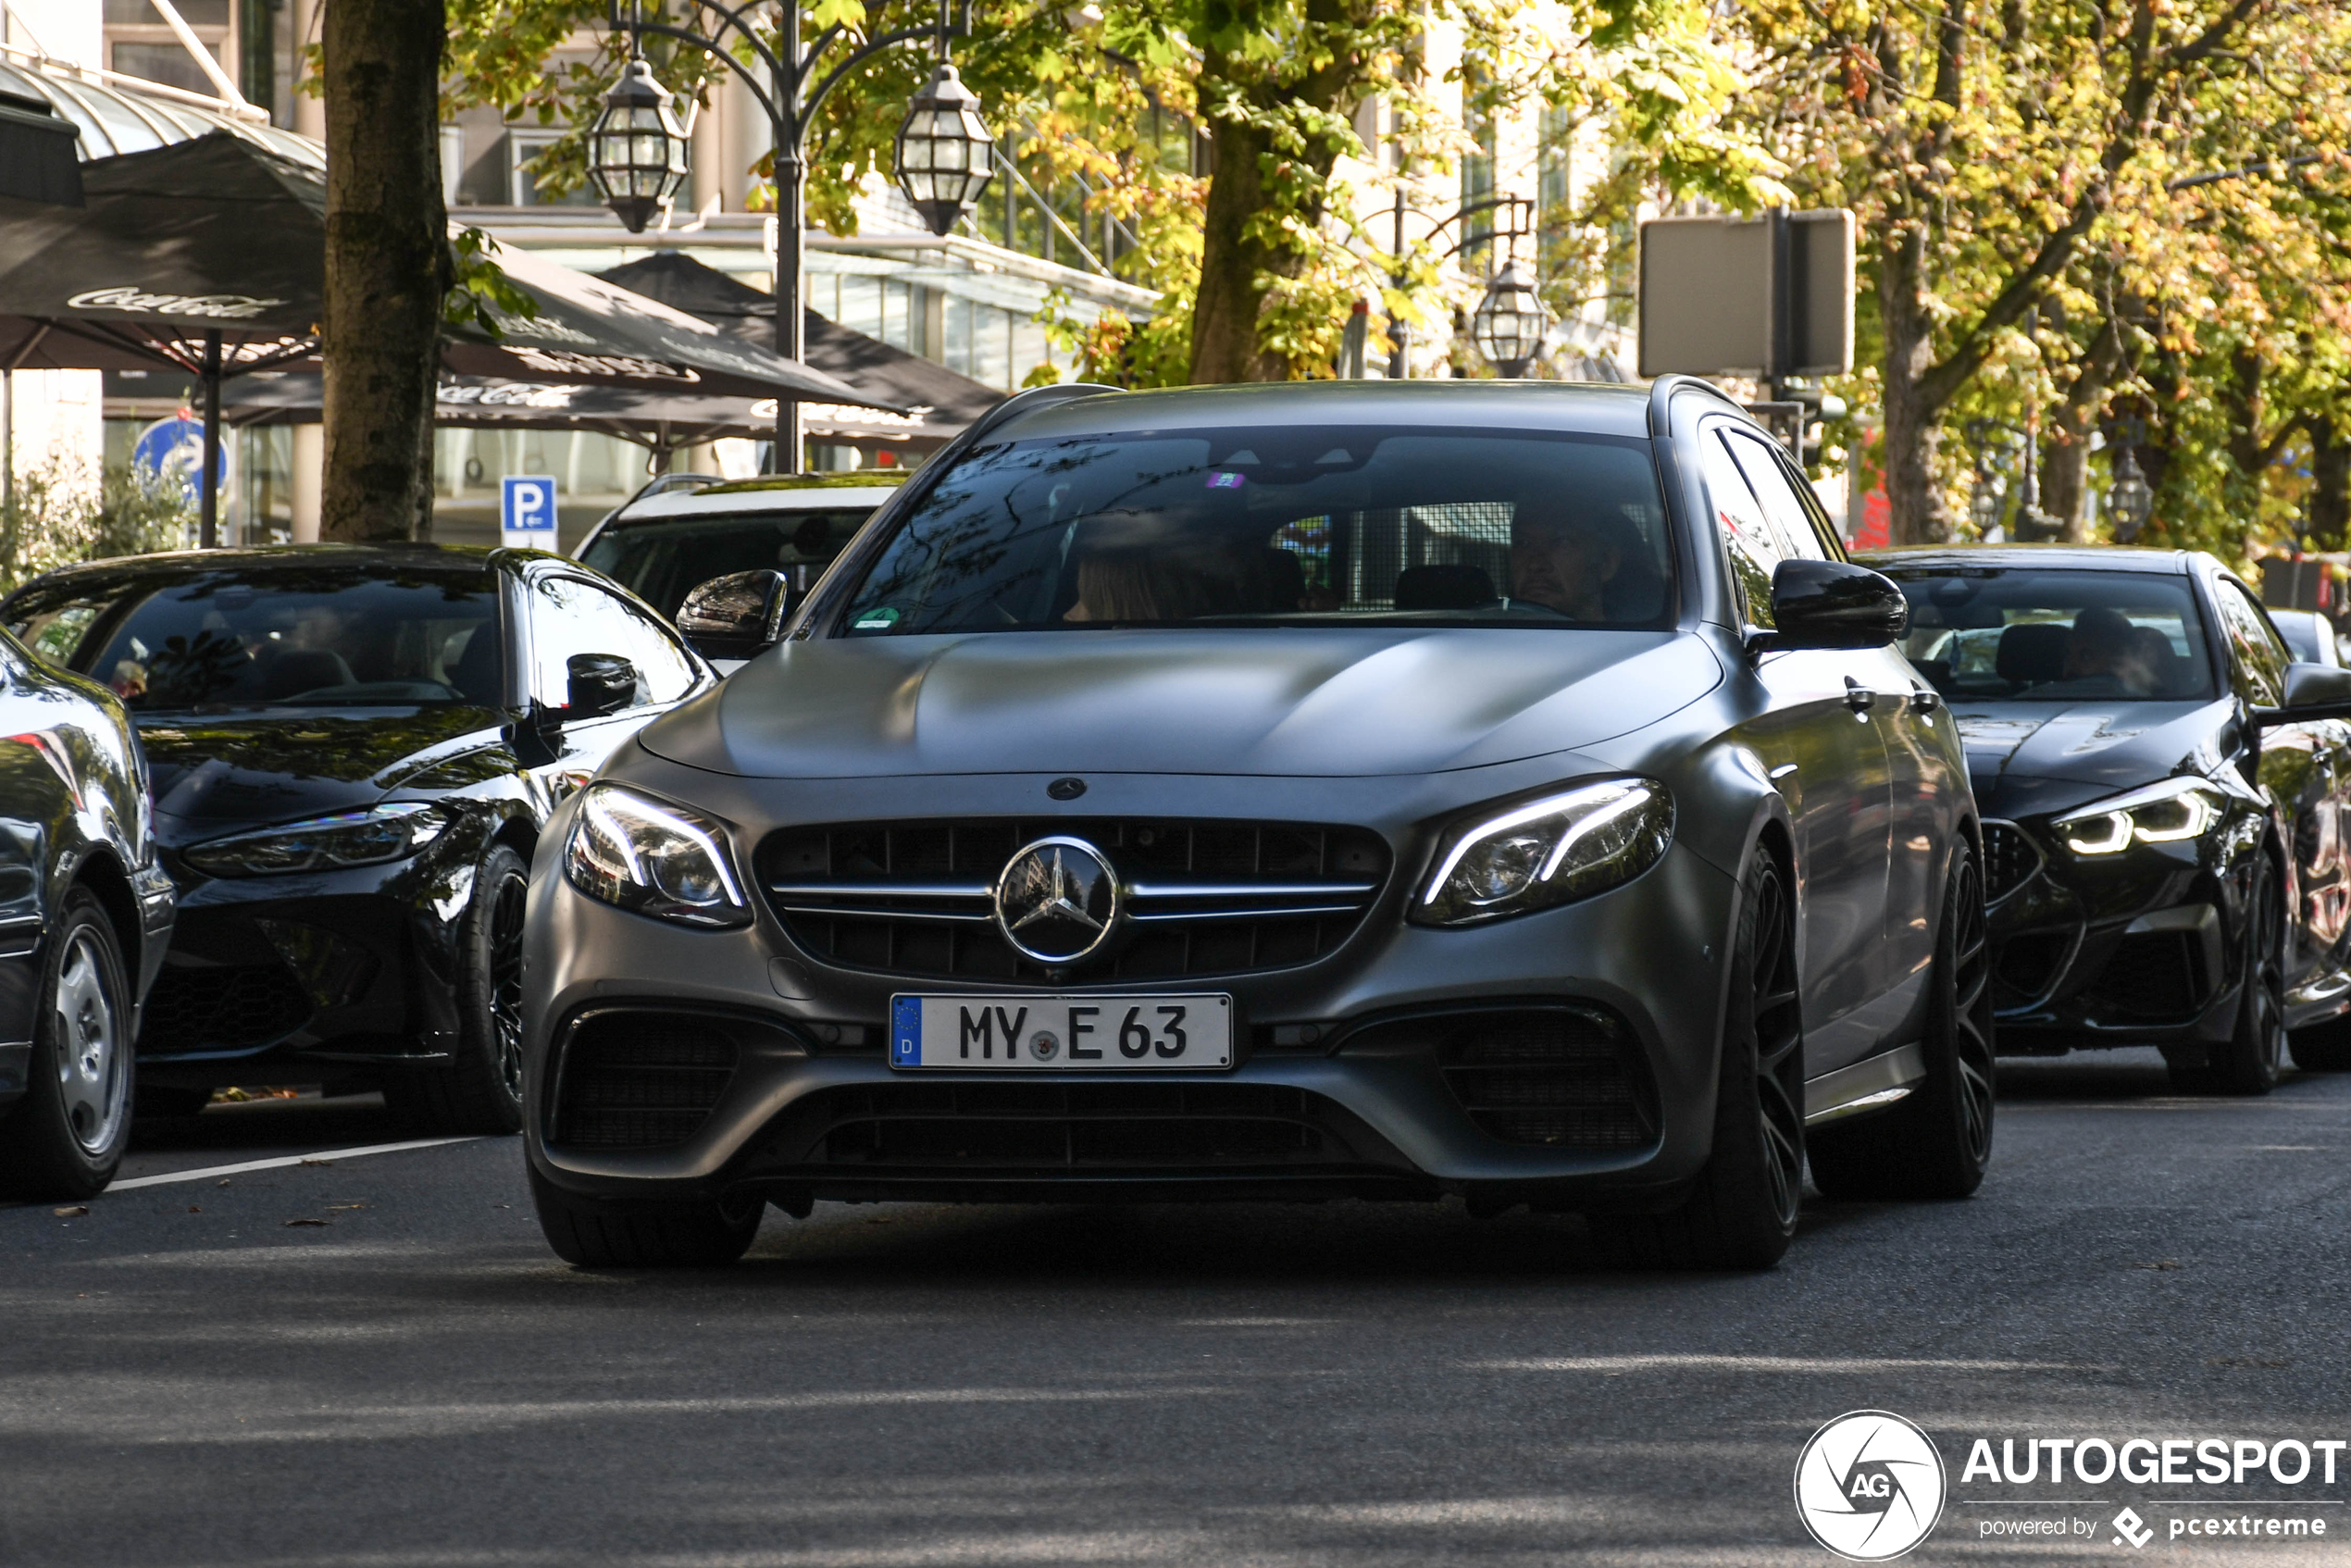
(1565, 1077)
(641, 1080)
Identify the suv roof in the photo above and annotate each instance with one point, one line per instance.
(781, 493)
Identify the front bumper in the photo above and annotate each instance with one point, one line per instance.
(1347, 1077)
(2142, 950)
(333, 976)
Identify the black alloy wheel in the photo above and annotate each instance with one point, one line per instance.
(1741, 1211)
(479, 1089)
(2249, 1063)
(1936, 1140)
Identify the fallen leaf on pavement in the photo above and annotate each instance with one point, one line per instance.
(318, 1162)
(222, 1182)
(310, 1222)
(2166, 1264)
(71, 1211)
(194, 1210)
(332, 1207)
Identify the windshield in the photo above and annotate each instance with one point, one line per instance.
(276, 639)
(1279, 524)
(2030, 635)
(662, 560)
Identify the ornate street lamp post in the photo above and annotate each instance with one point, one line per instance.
(639, 153)
(1511, 319)
(2131, 496)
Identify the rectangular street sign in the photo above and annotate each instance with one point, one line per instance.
(1767, 297)
(527, 510)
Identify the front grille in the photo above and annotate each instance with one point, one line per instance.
(2152, 977)
(641, 1080)
(2028, 964)
(1561, 1077)
(200, 1007)
(2009, 858)
(1060, 1126)
(1203, 897)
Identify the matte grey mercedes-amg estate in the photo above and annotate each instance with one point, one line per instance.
(1392, 789)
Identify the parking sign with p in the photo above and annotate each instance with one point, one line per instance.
(527, 510)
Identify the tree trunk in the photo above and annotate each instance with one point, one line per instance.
(1232, 265)
(2065, 486)
(386, 265)
(2329, 502)
(1917, 514)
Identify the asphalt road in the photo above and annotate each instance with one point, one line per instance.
(190, 1375)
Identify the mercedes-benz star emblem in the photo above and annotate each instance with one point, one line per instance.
(1057, 900)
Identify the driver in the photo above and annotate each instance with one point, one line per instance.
(1585, 562)
(2101, 644)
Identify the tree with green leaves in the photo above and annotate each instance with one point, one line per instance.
(2006, 162)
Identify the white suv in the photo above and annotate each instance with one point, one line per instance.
(664, 545)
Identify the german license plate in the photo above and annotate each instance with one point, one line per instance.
(1060, 1033)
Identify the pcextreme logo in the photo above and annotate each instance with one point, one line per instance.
(1870, 1486)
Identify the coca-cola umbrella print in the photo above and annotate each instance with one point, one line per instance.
(210, 256)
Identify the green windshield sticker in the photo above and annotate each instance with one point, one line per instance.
(875, 620)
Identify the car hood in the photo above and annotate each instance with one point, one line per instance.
(215, 771)
(2029, 757)
(1277, 701)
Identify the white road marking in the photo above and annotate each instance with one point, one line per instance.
(284, 1160)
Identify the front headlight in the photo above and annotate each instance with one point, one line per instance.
(1549, 851)
(649, 857)
(2159, 814)
(324, 843)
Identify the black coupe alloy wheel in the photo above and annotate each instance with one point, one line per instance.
(479, 1089)
(1936, 1140)
(505, 980)
(2248, 1061)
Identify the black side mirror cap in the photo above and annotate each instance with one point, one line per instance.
(736, 616)
(2312, 691)
(1833, 604)
(599, 684)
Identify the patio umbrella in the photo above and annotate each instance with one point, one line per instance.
(660, 421)
(939, 401)
(210, 256)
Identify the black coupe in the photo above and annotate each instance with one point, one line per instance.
(2166, 793)
(354, 750)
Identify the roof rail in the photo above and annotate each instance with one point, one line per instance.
(1662, 394)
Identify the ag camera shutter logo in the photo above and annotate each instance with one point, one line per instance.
(1870, 1486)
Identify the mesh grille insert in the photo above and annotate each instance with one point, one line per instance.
(641, 1080)
(1050, 1127)
(195, 1007)
(1561, 1077)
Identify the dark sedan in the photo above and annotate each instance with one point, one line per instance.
(2164, 791)
(85, 914)
(354, 752)
(1393, 789)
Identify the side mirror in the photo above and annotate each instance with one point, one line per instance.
(1835, 604)
(599, 684)
(737, 616)
(2311, 691)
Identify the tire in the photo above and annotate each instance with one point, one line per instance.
(588, 1235)
(2249, 1063)
(1741, 1211)
(479, 1088)
(2323, 1048)
(1935, 1142)
(66, 1137)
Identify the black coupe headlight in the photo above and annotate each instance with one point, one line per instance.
(649, 857)
(1548, 851)
(2158, 813)
(394, 831)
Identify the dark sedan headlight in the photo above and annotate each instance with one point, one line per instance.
(2159, 814)
(1548, 851)
(394, 831)
(649, 857)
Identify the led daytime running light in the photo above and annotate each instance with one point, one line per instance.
(2168, 813)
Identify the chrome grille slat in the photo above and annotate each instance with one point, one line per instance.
(1203, 897)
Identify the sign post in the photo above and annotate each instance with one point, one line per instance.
(527, 511)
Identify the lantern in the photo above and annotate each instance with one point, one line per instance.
(637, 150)
(946, 154)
